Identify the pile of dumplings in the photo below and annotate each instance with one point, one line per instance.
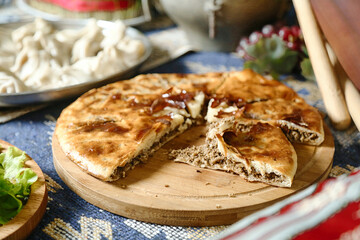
(37, 56)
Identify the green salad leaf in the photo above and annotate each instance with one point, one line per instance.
(15, 182)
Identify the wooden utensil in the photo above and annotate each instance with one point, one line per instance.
(352, 95)
(325, 76)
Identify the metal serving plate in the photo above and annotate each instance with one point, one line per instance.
(55, 94)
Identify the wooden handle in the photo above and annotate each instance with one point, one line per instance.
(352, 95)
(327, 82)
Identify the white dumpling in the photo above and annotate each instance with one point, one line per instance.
(86, 65)
(114, 35)
(28, 59)
(35, 66)
(45, 76)
(59, 51)
(43, 26)
(9, 83)
(132, 50)
(89, 44)
(20, 33)
(70, 75)
(7, 51)
(68, 36)
(110, 61)
(30, 29)
(43, 58)
(107, 62)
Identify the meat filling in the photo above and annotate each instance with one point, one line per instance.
(205, 157)
(145, 154)
(295, 135)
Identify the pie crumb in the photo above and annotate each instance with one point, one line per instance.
(167, 185)
(207, 183)
(218, 206)
(198, 171)
(123, 186)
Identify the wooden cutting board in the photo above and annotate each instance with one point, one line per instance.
(28, 218)
(164, 192)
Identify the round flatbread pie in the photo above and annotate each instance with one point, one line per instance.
(108, 130)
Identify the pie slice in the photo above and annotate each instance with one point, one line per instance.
(241, 88)
(257, 151)
(300, 122)
(108, 133)
(267, 100)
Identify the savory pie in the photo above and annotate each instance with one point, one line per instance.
(256, 150)
(107, 131)
(298, 120)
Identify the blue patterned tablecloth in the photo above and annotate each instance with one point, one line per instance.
(70, 217)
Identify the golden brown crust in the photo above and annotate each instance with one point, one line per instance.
(250, 87)
(108, 128)
(207, 82)
(263, 150)
(295, 115)
(104, 135)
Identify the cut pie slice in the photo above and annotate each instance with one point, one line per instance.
(108, 134)
(300, 122)
(255, 150)
(241, 88)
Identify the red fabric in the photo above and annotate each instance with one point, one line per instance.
(282, 211)
(344, 221)
(91, 6)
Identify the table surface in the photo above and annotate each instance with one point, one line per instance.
(70, 217)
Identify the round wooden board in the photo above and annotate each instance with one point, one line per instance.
(29, 217)
(165, 192)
